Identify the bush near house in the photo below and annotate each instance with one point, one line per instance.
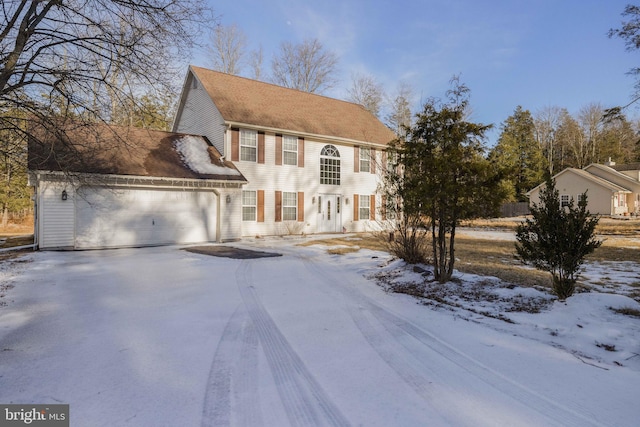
(557, 239)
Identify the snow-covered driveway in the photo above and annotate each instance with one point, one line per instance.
(164, 337)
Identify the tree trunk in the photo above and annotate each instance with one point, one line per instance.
(5, 215)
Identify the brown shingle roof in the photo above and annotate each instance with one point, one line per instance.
(626, 167)
(252, 102)
(103, 149)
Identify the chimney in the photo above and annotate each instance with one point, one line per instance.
(610, 162)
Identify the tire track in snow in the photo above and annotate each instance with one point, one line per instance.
(304, 400)
(234, 372)
(556, 413)
(245, 378)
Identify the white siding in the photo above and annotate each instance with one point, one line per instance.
(56, 217)
(287, 178)
(599, 199)
(230, 215)
(199, 115)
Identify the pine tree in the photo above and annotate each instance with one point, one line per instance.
(557, 239)
(518, 154)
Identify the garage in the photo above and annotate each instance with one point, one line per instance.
(108, 217)
(129, 187)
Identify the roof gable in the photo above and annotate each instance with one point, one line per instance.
(606, 170)
(584, 175)
(251, 102)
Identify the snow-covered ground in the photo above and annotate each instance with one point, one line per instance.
(164, 337)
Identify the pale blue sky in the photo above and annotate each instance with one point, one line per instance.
(533, 53)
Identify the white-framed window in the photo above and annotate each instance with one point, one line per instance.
(364, 207)
(564, 200)
(330, 165)
(290, 150)
(249, 205)
(289, 206)
(619, 200)
(248, 145)
(365, 159)
(580, 197)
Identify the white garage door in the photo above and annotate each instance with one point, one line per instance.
(107, 217)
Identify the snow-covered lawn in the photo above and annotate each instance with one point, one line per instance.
(165, 337)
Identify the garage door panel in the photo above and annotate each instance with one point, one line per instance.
(139, 217)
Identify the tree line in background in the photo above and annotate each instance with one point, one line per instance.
(532, 146)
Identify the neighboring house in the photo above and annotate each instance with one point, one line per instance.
(311, 162)
(103, 187)
(611, 189)
(245, 158)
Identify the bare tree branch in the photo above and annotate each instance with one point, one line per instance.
(227, 49)
(366, 91)
(306, 66)
(91, 60)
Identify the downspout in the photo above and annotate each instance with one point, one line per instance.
(36, 216)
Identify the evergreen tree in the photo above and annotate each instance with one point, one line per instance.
(445, 176)
(518, 154)
(557, 239)
(619, 141)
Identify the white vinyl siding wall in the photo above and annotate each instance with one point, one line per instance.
(599, 198)
(271, 178)
(56, 216)
(200, 116)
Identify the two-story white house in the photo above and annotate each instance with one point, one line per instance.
(245, 158)
(311, 162)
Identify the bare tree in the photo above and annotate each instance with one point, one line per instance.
(366, 91)
(572, 136)
(59, 58)
(228, 49)
(257, 58)
(546, 124)
(307, 66)
(590, 119)
(400, 116)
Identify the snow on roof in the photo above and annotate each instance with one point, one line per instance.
(195, 154)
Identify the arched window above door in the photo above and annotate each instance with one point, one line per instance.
(330, 165)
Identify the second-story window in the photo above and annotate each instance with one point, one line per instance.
(248, 145)
(290, 150)
(365, 159)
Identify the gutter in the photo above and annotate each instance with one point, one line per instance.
(313, 136)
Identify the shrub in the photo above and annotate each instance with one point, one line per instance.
(558, 238)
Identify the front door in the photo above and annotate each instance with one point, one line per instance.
(329, 213)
